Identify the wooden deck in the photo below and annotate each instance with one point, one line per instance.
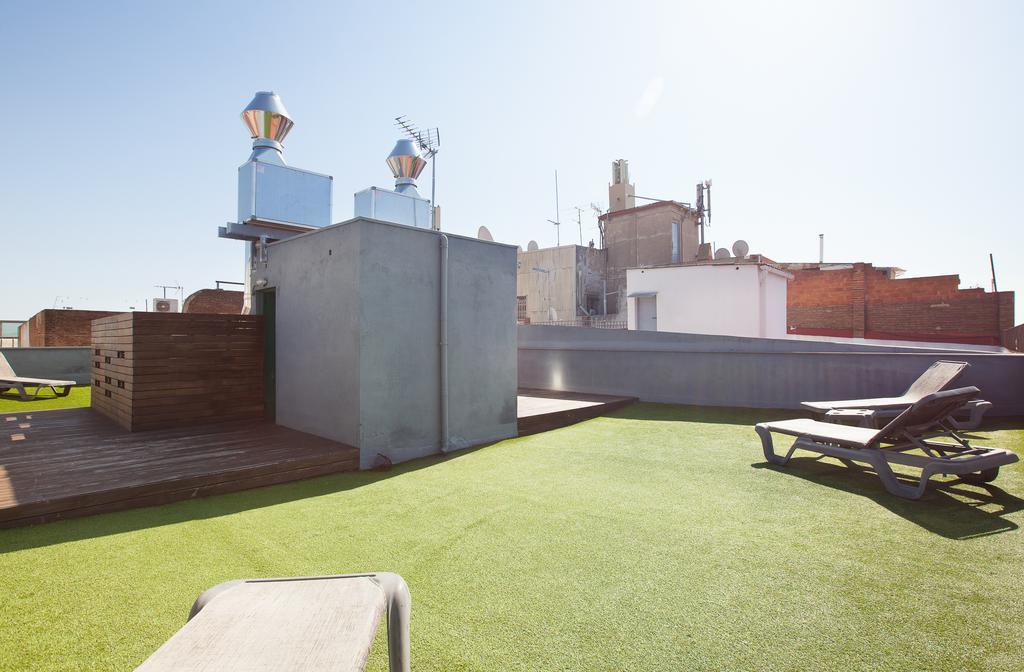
(542, 410)
(75, 462)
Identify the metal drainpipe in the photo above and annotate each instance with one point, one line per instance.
(443, 319)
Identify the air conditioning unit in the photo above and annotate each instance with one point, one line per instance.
(165, 305)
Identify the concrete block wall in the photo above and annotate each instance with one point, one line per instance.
(52, 363)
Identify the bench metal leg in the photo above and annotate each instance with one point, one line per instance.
(399, 611)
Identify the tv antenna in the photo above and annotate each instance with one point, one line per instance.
(429, 141)
(579, 221)
(166, 287)
(703, 206)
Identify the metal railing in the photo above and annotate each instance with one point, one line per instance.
(595, 322)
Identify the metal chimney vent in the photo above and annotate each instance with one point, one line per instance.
(406, 164)
(269, 124)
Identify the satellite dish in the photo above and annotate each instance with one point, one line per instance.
(520, 248)
(722, 253)
(740, 248)
(483, 234)
(532, 246)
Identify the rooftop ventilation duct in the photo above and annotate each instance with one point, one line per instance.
(406, 164)
(404, 205)
(269, 124)
(275, 200)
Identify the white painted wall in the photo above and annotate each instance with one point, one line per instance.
(725, 299)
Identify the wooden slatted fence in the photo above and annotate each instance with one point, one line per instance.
(158, 370)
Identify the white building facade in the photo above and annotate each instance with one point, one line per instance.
(736, 297)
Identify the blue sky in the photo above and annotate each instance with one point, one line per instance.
(894, 128)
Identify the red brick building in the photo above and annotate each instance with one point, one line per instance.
(54, 327)
(861, 301)
(220, 301)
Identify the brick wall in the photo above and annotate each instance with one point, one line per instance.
(1014, 338)
(215, 301)
(864, 302)
(53, 328)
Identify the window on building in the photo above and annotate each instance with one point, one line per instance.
(521, 314)
(675, 242)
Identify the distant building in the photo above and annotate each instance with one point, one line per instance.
(219, 301)
(729, 297)
(861, 301)
(61, 327)
(559, 283)
(653, 234)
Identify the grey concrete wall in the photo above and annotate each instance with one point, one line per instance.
(746, 372)
(482, 374)
(317, 332)
(358, 356)
(55, 363)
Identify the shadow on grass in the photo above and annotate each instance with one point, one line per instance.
(214, 506)
(950, 508)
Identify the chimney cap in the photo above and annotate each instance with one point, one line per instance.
(405, 160)
(266, 117)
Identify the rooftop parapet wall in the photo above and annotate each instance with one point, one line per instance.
(746, 372)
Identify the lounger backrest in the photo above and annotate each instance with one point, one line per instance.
(928, 412)
(5, 368)
(938, 376)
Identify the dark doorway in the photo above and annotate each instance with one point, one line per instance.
(267, 305)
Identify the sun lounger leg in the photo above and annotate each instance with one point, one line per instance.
(769, 449)
(974, 419)
(24, 395)
(889, 480)
(64, 391)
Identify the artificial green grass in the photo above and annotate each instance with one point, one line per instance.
(653, 539)
(11, 402)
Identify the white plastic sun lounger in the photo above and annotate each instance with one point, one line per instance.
(937, 377)
(8, 380)
(308, 623)
(912, 430)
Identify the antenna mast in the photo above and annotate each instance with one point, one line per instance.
(600, 225)
(579, 221)
(703, 206)
(166, 287)
(557, 221)
(429, 142)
